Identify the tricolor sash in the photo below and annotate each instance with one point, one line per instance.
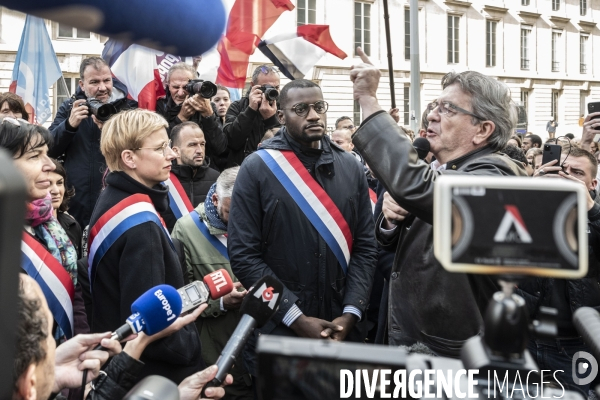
(373, 197)
(218, 243)
(132, 211)
(312, 199)
(54, 280)
(178, 199)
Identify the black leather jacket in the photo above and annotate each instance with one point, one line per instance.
(426, 303)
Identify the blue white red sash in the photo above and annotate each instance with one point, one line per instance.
(132, 211)
(178, 199)
(219, 243)
(314, 202)
(373, 197)
(54, 280)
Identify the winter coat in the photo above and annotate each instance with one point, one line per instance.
(73, 230)
(80, 148)
(138, 260)
(244, 129)
(269, 234)
(196, 182)
(426, 303)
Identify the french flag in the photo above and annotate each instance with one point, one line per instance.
(296, 53)
(141, 69)
(36, 69)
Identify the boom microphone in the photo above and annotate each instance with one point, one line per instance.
(587, 323)
(422, 146)
(259, 305)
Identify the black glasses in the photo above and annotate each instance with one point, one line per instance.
(444, 107)
(162, 149)
(301, 109)
(265, 70)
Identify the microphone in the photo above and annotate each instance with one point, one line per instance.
(422, 147)
(153, 387)
(259, 305)
(216, 284)
(587, 323)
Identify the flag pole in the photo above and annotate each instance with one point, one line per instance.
(386, 21)
(415, 68)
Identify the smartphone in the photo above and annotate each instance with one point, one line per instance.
(551, 152)
(592, 108)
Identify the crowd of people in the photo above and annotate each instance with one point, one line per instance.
(258, 187)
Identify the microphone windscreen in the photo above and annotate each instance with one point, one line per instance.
(262, 300)
(184, 28)
(159, 307)
(219, 283)
(153, 387)
(422, 146)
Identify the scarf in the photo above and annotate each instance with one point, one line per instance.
(48, 229)
(211, 211)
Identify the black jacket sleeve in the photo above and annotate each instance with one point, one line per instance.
(245, 232)
(62, 132)
(216, 141)
(240, 122)
(121, 374)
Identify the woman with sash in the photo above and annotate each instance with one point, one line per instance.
(48, 255)
(130, 250)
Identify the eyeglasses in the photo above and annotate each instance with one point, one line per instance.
(265, 70)
(301, 109)
(162, 149)
(445, 107)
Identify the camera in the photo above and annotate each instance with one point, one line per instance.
(204, 88)
(270, 92)
(102, 111)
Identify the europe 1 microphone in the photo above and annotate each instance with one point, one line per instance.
(259, 305)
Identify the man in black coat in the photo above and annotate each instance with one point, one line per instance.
(190, 167)
(270, 234)
(249, 118)
(469, 123)
(77, 132)
(178, 106)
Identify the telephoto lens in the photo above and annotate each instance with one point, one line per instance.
(204, 88)
(102, 111)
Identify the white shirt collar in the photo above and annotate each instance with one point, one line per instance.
(436, 166)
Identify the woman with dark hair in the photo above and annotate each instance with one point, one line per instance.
(60, 204)
(12, 105)
(49, 256)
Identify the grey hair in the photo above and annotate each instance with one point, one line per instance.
(180, 66)
(261, 70)
(225, 182)
(96, 62)
(490, 99)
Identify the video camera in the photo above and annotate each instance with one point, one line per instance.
(271, 93)
(482, 225)
(204, 88)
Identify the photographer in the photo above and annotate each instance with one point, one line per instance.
(249, 118)
(76, 134)
(566, 296)
(179, 106)
(469, 123)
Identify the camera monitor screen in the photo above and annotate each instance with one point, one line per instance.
(298, 369)
(511, 225)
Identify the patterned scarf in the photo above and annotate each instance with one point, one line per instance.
(48, 229)
(211, 211)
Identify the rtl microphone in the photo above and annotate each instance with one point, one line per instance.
(214, 285)
(587, 323)
(422, 146)
(259, 305)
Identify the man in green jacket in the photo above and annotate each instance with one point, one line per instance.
(203, 234)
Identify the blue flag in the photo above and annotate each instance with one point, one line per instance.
(36, 69)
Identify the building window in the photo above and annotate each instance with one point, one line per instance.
(555, 5)
(362, 27)
(64, 91)
(357, 114)
(525, 33)
(555, 51)
(307, 12)
(406, 104)
(525, 100)
(583, 39)
(582, 7)
(65, 31)
(453, 21)
(406, 34)
(524, 2)
(554, 105)
(490, 43)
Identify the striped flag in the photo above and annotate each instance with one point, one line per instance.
(36, 69)
(297, 52)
